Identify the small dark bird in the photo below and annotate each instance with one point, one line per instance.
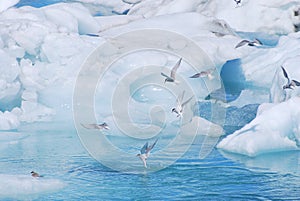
(297, 12)
(171, 78)
(34, 174)
(92, 35)
(255, 42)
(145, 152)
(290, 83)
(238, 2)
(96, 126)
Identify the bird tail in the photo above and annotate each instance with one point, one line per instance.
(210, 76)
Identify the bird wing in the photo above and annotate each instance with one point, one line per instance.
(180, 98)
(174, 69)
(285, 74)
(211, 70)
(257, 41)
(144, 148)
(89, 126)
(164, 75)
(196, 75)
(188, 100)
(296, 82)
(104, 125)
(151, 146)
(243, 42)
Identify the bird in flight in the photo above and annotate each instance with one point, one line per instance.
(290, 83)
(180, 104)
(145, 152)
(171, 78)
(255, 42)
(207, 73)
(238, 2)
(96, 126)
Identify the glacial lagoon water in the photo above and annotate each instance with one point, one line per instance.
(58, 154)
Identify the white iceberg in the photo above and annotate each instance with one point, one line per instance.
(275, 129)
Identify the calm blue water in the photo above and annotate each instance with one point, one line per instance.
(59, 154)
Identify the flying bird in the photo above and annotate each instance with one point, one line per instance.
(171, 78)
(255, 42)
(145, 152)
(180, 105)
(207, 73)
(34, 174)
(96, 126)
(290, 83)
(238, 2)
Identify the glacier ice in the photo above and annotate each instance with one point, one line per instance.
(42, 50)
(4, 5)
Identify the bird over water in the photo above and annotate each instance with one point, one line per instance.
(96, 126)
(145, 152)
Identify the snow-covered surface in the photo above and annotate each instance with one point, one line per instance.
(5, 4)
(42, 50)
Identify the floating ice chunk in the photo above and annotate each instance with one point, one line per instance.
(61, 49)
(26, 187)
(276, 129)
(29, 95)
(107, 22)
(9, 69)
(61, 18)
(263, 17)
(150, 8)
(86, 22)
(29, 76)
(9, 120)
(5, 4)
(34, 111)
(30, 36)
(8, 90)
(104, 7)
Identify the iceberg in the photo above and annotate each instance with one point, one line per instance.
(275, 129)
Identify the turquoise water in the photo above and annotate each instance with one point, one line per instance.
(58, 154)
